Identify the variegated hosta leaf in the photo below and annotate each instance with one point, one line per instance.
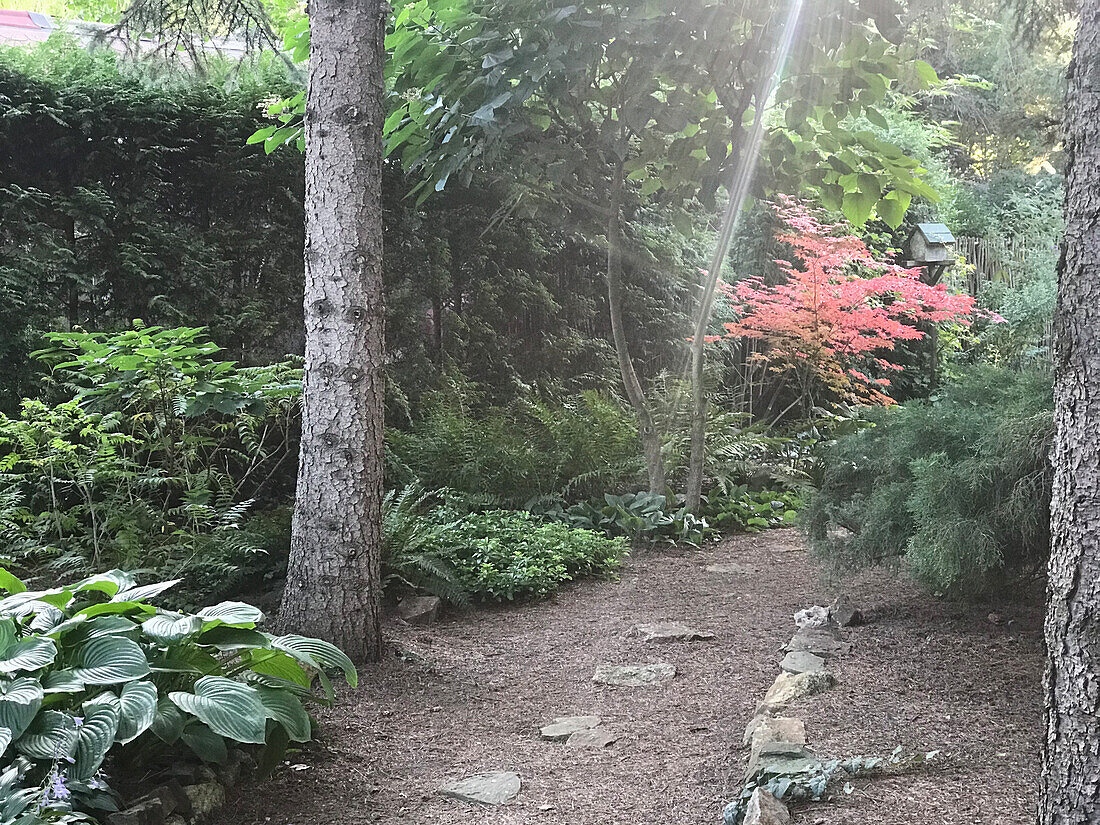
(13, 605)
(144, 591)
(108, 660)
(171, 627)
(110, 582)
(280, 665)
(52, 735)
(284, 708)
(28, 654)
(206, 744)
(61, 681)
(230, 708)
(232, 613)
(5, 740)
(46, 617)
(317, 653)
(138, 703)
(108, 608)
(20, 700)
(168, 722)
(95, 735)
(227, 637)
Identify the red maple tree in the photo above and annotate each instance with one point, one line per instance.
(837, 313)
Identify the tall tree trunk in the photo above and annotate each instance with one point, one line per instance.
(647, 427)
(333, 581)
(1070, 779)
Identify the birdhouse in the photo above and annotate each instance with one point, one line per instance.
(929, 244)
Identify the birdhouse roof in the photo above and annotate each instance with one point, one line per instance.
(935, 233)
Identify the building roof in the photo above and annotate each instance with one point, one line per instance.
(20, 27)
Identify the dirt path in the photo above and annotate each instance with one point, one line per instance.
(924, 675)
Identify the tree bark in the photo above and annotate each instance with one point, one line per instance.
(1070, 780)
(647, 427)
(333, 580)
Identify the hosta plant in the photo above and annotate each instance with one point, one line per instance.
(92, 671)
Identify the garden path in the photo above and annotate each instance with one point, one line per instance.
(469, 695)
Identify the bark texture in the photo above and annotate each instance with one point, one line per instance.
(333, 580)
(1070, 779)
(647, 427)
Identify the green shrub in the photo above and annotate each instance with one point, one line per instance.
(505, 555)
(93, 672)
(740, 509)
(637, 516)
(154, 463)
(958, 487)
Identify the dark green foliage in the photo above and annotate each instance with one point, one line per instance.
(518, 454)
(637, 516)
(96, 673)
(745, 510)
(958, 487)
(153, 464)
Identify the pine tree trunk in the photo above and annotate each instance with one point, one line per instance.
(647, 427)
(1070, 779)
(333, 588)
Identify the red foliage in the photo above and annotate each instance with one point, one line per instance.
(840, 309)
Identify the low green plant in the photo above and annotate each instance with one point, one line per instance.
(739, 509)
(507, 554)
(637, 516)
(92, 674)
(411, 545)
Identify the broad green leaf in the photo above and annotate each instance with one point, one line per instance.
(234, 638)
(144, 591)
(95, 735)
(115, 608)
(317, 653)
(10, 582)
(51, 735)
(285, 709)
(138, 704)
(892, 211)
(29, 654)
(20, 700)
(925, 72)
(230, 708)
(112, 581)
(61, 681)
(232, 613)
(171, 627)
(857, 207)
(207, 745)
(109, 660)
(168, 722)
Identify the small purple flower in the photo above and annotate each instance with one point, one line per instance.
(57, 790)
(78, 720)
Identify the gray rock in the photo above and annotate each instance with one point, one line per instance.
(419, 609)
(565, 726)
(149, 812)
(484, 788)
(821, 641)
(597, 738)
(669, 632)
(205, 798)
(791, 686)
(660, 673)
(728, 568)
(801, 661)
(771, 753)
(765, 809)
(775, 729)
(844, 614)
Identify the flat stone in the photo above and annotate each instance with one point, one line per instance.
(669, 632)
(565, 726)
(149, 812)
(660, 673)
(419, 609)
(728, 568)
(765, 809)
(821, 641)
(791, 686)
(484, 788)
(768, 753)
(801, 661)
(597, 738)
(775, 729)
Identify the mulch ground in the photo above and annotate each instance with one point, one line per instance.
(469, 695)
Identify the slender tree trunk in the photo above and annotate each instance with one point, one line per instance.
(1070, 779)
(647, 427)
(333, 588)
